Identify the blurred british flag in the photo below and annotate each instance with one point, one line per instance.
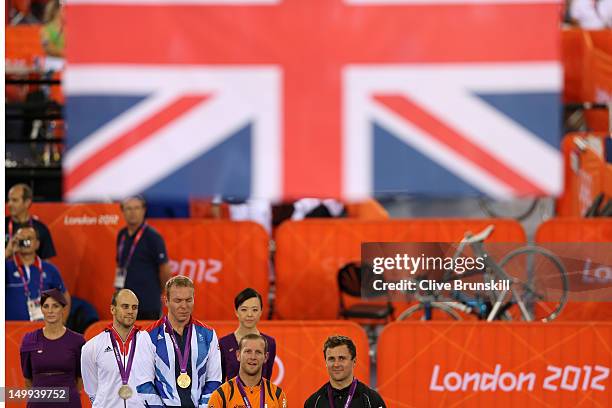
(327, 98)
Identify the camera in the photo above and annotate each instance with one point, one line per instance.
(25, 243)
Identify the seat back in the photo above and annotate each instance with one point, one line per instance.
(349, 279)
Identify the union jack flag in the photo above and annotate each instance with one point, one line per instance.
(327, 98)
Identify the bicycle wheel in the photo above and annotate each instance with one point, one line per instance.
(539, 285)
(439, 311)
(518, 209)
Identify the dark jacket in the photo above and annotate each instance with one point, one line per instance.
(364, 397)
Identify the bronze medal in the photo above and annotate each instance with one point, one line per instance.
(183, 380)
(125, 392)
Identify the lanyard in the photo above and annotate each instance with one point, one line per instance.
(124, 371)
(183, 358)
(347, 404)
(247, 403)
(10, 226)
(132, 249)
(20, 267)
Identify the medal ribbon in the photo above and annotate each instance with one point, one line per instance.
(20, 268)
(123, 370)
(132, 249)
(182, 357)
(347, 404)
(262, 395)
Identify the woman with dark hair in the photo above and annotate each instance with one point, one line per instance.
(51, 356)
(248, 305)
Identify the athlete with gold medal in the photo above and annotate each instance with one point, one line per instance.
(180, 364)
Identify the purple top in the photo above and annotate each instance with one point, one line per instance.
(230, 364)
(53, 363)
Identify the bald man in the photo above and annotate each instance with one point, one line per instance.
(19, 202)
(107, 359)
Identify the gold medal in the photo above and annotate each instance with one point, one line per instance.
(125, 392)
(183, 380)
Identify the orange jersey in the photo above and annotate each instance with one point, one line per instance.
(228, 396)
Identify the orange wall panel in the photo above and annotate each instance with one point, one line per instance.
(309, 254)
(495, 364)
(222, 257)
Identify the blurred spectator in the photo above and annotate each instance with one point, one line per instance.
(52, 32)
(21, 13)
(19, 202)
(253, 209)
(142, 260)
(591, 14)
(26, 277)
(316, 208)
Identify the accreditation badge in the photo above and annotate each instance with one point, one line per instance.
(120, 274)
(34, 309)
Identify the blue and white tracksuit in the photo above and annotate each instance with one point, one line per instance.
(154, 369)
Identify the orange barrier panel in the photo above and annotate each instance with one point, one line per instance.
(597, 84)
(575, 230)
(495, 364)
(222, 257)
(309, 254)
(572, 57)
(579, 230)
(586, 173)
(367, 210)
(14, 332)
(300, 366)
(23, 44)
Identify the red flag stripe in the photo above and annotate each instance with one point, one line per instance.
(130, 139)
(455, 141)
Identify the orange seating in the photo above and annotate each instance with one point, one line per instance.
(23, 45)
(586, 173)
(309, 254)
(597, 85)
(572, 57)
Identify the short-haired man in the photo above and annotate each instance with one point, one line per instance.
(142, 260)
(343, 390)
(106, 359)
(249, 388)
(27, 276)
(181, 363)
(19, 202)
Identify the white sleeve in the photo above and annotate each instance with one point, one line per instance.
(212, 379)
(605, 11)
(144, 370)
(585, 13)
(89, 369)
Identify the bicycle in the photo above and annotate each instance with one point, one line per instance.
(530, 295)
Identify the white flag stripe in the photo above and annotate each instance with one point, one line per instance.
(441, 154)
(113, 129)
(237, 97)
(485, 126)
(164, 152)
(359, 111)
(447, 92)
